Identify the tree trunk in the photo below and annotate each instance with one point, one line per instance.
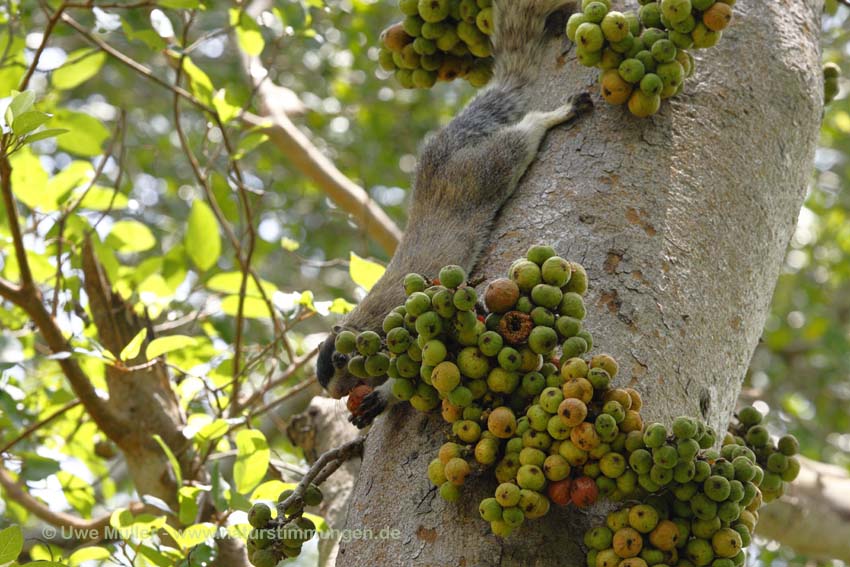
(681, 221)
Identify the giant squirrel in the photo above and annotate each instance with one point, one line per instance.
(465, 173)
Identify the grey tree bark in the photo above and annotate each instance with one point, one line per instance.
(681, 221)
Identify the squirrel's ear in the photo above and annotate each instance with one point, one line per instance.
(336, 329)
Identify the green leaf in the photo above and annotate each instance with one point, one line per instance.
(252, 307)
(289, 245)
(11, 543)
(230, 282)
(271, 489)
(247, 32)
(365, 273)
(15, 63)
(29, 182)
(133, 348)
(131, 236)
(157, 504)
(162, 345)
(226, 109)
(81, 65)
(40, 266)
(218, 489)
(306, 300)
(249, 143)
(180, 4)
(28, 121)
(175, 464)
(21, 102)
(73, 176)
(200, 82)
(99, 198)
(78, 492)
(88, 133)
(341, 306)
(212, 431)
(44, 134)
(36, 467)
(252, 459)
(162, 557)
(94, 553)
(149, 37)
(202, 241)
(198, 533)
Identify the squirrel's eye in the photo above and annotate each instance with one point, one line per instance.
(339, 360)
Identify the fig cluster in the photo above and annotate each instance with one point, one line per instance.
(696, 506)
(643, 57)
(274, 539)
(776, 459)
(439, 40)
(530, 407)
(831, 74)
(567, 448)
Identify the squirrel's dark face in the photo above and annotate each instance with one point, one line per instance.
(332, 369)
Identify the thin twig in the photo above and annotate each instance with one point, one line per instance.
(294, 367)
(108, 5)
(60, 240)
(93, 529)
(122, 120)
(293, 144)
(134, 65)
(294, 391)
(104, 158)
(39, 424)
(48, 30)
(324, 467)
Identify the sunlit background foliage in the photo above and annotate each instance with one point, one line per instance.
(147, 211)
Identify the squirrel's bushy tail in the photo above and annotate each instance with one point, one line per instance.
(520, 37)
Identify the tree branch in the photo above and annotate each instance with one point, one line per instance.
(27, 283)
(89, 530)
(9, 291)
(307, 158)
(28, 297)
(813, 518)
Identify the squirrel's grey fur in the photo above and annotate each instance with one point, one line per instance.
(464, 175)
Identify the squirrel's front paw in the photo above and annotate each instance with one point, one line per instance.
(371, 407)
(581, 102)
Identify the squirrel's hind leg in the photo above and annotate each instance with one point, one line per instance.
(498, 163)
(537, 123)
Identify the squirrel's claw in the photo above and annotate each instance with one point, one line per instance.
(371, 407)
(581, 103)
